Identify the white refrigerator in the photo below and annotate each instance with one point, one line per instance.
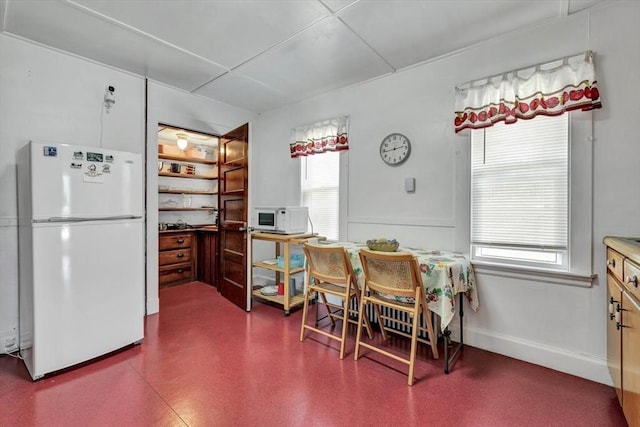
(81, 254)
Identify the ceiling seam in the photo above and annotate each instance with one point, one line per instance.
(336, 15)
(142, 33)
(394, 69)
(280, 43)
(261, 83)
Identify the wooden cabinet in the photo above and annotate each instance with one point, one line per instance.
(614, 337)
(208, 257)
(631, 359)
(623, 327)
(176, 257)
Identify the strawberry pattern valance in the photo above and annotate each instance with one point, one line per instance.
(320, 137)
(550, 89)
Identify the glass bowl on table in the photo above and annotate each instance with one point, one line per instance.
(383, 245)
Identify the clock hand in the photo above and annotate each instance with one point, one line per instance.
(393, 149)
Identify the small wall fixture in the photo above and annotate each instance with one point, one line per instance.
(181, 141)
(109, 98)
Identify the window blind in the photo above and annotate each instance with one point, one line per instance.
(321, 192)
(520, 184)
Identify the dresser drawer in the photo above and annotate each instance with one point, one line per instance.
(615, 263)
(174, 257)
(174, 241)
(632, 278)
(178, 273)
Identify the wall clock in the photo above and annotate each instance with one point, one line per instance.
(395, 149)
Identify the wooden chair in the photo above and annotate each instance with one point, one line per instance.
(390, 279)
(329, 272)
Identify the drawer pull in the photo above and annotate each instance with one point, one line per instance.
(180, 240)
(180, 255)
(633, 279)
(611, 308)
(180, 270)
(611, 262)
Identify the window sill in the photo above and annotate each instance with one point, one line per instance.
(568, 278)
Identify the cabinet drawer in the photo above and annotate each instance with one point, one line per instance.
(175, 256)
(632, 278)
(174, 241)
(175, 274)
(615, 263)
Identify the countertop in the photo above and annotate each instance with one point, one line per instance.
(209, 228)
(627, 246)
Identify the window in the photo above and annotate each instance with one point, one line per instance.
(520, 180)
(321, 192)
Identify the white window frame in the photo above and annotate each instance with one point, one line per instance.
(579, 268)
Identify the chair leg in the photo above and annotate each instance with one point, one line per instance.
(361, 307)
(433, 340)
(345, 323)
(305, 308)
(380, 321)
(326, 307)
(366, 318)
(414, 342)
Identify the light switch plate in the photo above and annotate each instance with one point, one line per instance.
(409, 185)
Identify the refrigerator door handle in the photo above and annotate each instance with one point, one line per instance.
(82, 219)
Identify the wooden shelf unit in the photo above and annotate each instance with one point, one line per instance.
(209, 193)
(186, 175)
(186, 159)
(282, 273)
(186, 209)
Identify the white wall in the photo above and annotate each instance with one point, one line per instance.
(170, 106)
(47, 95)
(559, 326)
(51, 97)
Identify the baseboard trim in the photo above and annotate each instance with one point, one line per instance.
(580, 365)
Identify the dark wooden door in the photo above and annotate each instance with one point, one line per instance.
(233, 193)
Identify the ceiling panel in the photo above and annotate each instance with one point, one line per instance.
(71, 29)
(262, 54)
(244, 92)
(325, 57)
(227, 32)
(408, 32)
(578, 5)
(336, 5)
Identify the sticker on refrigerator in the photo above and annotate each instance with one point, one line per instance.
(108, 158)
(92, 174)
(106, 168)
(94, 157)
(78, 155)
(76, 165)
(50, 151)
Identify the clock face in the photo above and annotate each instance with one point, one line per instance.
(395, 149)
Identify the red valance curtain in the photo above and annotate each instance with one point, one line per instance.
(549, 89)
(320, 137)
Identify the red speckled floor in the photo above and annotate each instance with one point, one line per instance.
(205, 362)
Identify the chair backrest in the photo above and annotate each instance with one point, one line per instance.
(328, 263)
(392, 273)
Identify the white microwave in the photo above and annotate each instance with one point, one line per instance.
(283, 220)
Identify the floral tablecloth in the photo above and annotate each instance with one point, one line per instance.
(444, 275)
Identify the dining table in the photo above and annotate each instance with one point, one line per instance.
(445, 275)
